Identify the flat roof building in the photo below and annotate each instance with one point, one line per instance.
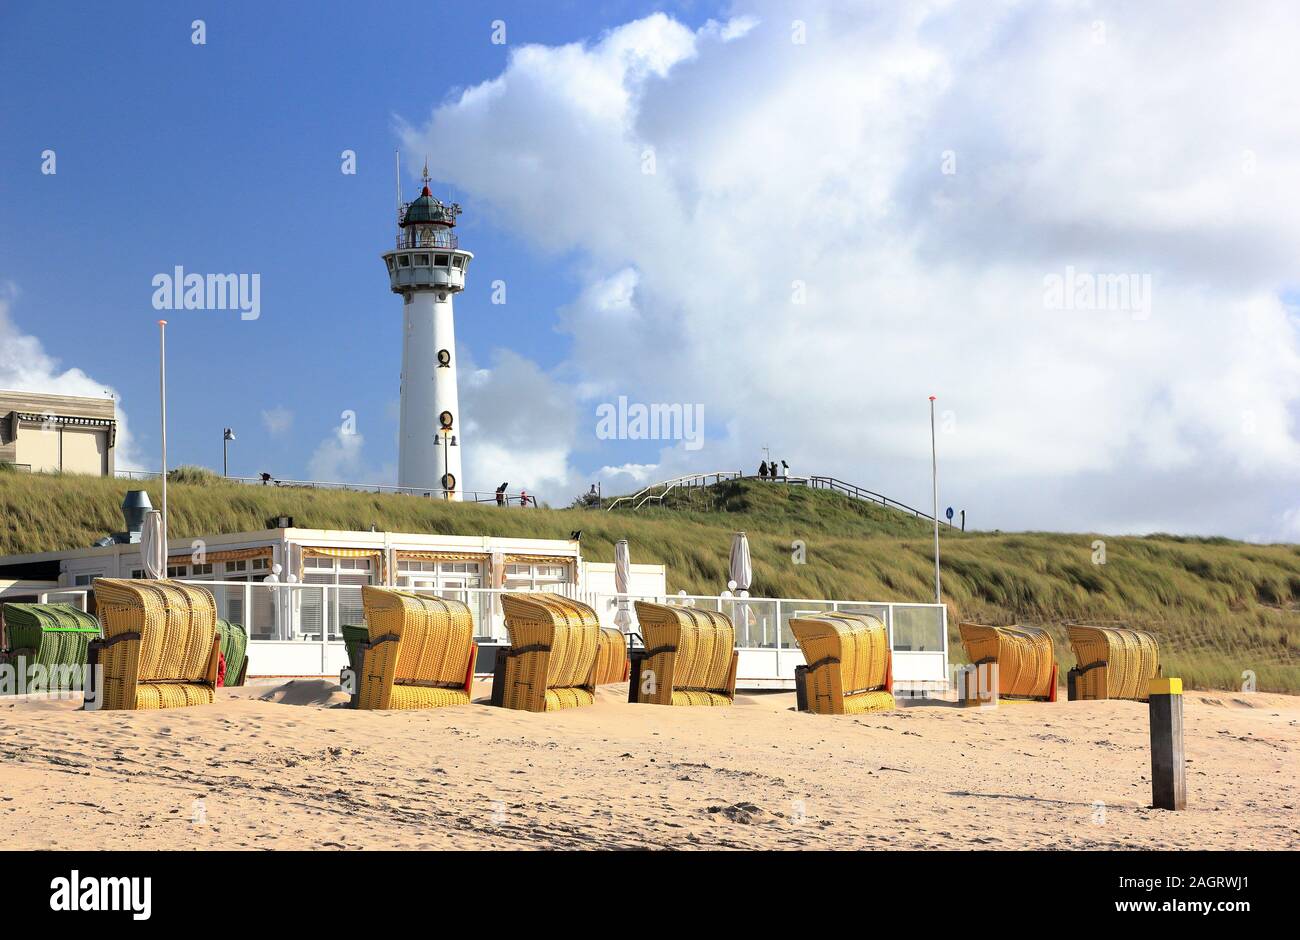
(57, 433)
(298, 631)
(294, 589)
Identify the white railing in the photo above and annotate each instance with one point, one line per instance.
(646, 493)
(77, 597)
(471, 496)
(296, 629)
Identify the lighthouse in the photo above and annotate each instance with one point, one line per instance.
(427, 268)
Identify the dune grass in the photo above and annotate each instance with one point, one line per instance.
(1219, 607)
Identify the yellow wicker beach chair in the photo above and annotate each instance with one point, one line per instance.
(1113, 662)
(1026, 666)
(419, 653)
(689, 657)
(850, 667)
(551, 661)
(611, 657)
(160, 646)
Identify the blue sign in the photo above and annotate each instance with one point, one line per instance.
(949, 514)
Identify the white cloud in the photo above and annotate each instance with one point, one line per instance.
(520, 427)
(341, 458)
(277, 420)
(25, 366)
(1290, 524)
(1144, 148)
(629, 476)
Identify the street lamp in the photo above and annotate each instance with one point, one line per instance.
(227, 436)
(448, 440)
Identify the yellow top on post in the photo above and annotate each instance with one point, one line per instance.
(1165, 687)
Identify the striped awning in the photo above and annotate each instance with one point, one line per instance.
(49, 420)
(234, 554)
(539, 560)
(414, 555)
(312, 551)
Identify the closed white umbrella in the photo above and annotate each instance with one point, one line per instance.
(742, 572)
(622, 576)
(153, 548)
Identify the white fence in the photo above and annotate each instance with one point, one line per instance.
(435, 492)
(295, 629)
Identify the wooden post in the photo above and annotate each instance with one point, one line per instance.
(1168, 768)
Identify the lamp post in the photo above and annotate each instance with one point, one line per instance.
(227, 436)
(162, 397)
(448, 440)
(934, 477)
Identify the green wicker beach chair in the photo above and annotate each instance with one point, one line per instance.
(234, 647)
(53, 636)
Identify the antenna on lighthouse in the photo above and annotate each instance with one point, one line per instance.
(397, 155)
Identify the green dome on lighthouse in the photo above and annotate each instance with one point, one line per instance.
(427, 209)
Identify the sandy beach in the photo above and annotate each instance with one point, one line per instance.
(279, 765)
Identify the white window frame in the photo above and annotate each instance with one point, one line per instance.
(333, 568)
(437, 575)
(532, 579)
(242, 571)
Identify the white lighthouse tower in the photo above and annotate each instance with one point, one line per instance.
(428, 269)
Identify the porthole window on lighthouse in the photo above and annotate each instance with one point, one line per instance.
(448, 481)
(444, 359)
(444, 419)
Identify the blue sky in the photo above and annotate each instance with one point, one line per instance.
(802, 217)
(225, 157)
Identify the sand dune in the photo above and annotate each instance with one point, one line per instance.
(280, 765)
